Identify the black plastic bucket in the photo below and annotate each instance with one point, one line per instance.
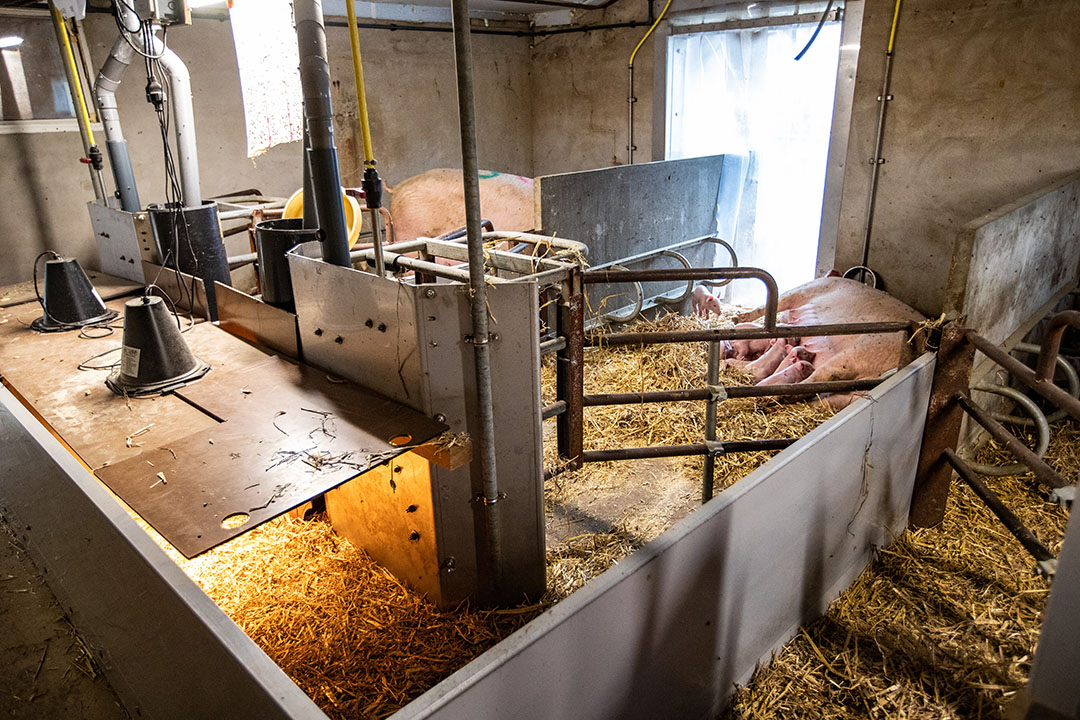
(274, 238)
(189, 240)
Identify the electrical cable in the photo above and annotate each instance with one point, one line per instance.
(821, 24)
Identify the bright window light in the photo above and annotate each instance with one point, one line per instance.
(10, 41)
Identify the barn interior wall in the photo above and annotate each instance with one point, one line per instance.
(580, 94)
(413, 105)
(985, 97)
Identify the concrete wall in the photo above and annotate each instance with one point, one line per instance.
(413, 102)
(580, 90)
(984, 113)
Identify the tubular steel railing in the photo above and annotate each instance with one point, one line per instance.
(571, 399)
(1041, 381)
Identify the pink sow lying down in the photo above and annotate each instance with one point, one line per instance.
(433, 203)
(823, 301)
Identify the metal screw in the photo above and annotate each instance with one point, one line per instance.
(495, 337)
(318, 331)
(433, 344)
(430, 293)
(439, 417)
(448, 564)
(382, 327)
(339, 339)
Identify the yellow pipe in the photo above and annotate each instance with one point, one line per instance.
(895, 19)
(358, 73)
(70, 58)
(649, 32)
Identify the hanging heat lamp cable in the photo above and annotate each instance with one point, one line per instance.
(630, 99)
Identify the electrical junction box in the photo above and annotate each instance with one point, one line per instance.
(163, 12)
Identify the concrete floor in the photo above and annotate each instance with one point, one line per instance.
(45, 671)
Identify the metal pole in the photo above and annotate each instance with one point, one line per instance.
(712, 377)
(93, 155)
(319, 113)
(630, 100)
(477, 289)
(1051, 344)
(1026, 375)
(1045, 474)
(377, 243)
(659, 451)
(876, 163)
(718, 335)
(730, 391)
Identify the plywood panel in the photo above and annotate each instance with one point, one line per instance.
(42, 368)
(387, 511)
(169, 652)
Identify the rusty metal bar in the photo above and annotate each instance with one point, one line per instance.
(720, 334)
(555, 408)
(712, 377)
(772, 293)
(570, 371)
(1051, 344)
(659, 451)
(730, 391)
(1026, 375)
(933, 476)
(1045, 474)
(1003, 513)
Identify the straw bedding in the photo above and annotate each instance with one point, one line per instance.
(943, 624)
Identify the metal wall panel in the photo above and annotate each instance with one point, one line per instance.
(118, 235)
(624, 210)
(423, 360)
(166, 648)
(667, 631)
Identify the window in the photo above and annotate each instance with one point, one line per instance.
(32, 81)
(741, 93)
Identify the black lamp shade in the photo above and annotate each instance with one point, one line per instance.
(69, 301)
(154, 359)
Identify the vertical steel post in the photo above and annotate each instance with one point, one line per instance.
(933, 475)
(712, 379)
(570, 371)
(478, 294)
(319, 113)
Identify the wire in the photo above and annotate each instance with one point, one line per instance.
(650, 32)
(85, 364)
(125, 31)
(821, 23)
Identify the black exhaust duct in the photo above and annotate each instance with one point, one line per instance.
(319, 114)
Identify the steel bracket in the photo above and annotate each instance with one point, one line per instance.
(715, 447)
(717, 393)
(1063, 496)
(1048, 568)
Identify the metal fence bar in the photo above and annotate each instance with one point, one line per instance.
(553, 345)
(730, 391)
(1051, 344)
(1003, 513)
(721, 334)
(772, 293)
(555, 408)
(659, 451)
(1045, 474)
(1026, 375)
(712, 377)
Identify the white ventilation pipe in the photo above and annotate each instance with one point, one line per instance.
(179, 97)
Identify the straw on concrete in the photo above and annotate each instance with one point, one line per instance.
(943, 624)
